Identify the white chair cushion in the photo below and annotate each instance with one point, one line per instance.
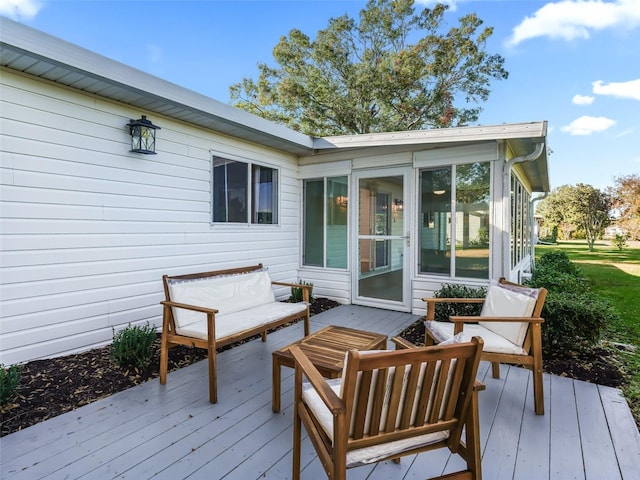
(443, 331)
(363, 455)
(231, 323)
(226, 293)
(505, 302)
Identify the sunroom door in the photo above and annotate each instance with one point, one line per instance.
(381, 269)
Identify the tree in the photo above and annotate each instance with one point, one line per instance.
(392, 71)
(626, 202)
(582, 206)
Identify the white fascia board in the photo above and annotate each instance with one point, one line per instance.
(532, 130)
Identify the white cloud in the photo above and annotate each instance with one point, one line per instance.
(630, 89)
(19, 9)
(625, 133)
(586, 125)
(571, 19)
(582, 100)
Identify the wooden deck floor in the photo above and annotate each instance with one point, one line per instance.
(173, 432)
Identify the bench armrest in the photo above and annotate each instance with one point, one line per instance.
(306, 289)
(195, 308)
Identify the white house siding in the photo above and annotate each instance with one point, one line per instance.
(89, 228)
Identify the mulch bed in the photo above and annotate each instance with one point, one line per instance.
(54, 386)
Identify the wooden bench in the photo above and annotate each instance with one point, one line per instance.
(213, 309)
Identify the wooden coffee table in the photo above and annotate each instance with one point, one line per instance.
(326, 349)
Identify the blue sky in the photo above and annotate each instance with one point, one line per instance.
(573, 63)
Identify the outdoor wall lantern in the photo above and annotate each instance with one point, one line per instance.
(143, 135)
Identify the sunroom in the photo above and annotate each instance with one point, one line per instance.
(388, 218)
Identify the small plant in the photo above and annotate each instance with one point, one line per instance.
(132, 346)
(9, 381)
(446, 310)
(620, 241)
(296, 292)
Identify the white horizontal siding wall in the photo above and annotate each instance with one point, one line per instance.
(88, 228)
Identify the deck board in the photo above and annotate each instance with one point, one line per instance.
(172, 431)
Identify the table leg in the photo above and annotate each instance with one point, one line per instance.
(275, 388)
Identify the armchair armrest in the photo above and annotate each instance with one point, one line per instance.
(431, 304)
(478, 386)
(402, 344)
(455, 319)
(333, 402)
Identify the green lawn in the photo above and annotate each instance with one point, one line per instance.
(615, 275)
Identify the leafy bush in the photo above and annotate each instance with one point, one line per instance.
(574, 316)
(296, 292)
(556, 281)
(132, 346)
(446, 310)
(574, 321)
(559, 261)
(9, 381)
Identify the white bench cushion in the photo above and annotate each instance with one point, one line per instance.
(235, 322)
(493, 342)
(226, 293)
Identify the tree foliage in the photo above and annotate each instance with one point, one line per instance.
(393, 70)
(581, 206)
(625, 195)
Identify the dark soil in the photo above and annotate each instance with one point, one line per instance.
(54, 386)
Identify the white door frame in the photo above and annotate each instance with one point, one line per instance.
(400, 238)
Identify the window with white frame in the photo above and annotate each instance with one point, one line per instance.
(244, 192)
(454, 220)
(521, 228)
(325, 233)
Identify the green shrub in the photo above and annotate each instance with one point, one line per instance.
(620, 241)
(132, 346)
(558, 260)
(296, 292)
(446, 310)
(574, 321)
(9, 381)
(574, 316)
(556, 281)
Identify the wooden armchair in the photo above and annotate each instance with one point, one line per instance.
(389, 404)
(510, 325)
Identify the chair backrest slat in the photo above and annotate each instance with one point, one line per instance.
(410, 404)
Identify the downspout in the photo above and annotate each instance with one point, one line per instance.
(533, 234)
(506, 215)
